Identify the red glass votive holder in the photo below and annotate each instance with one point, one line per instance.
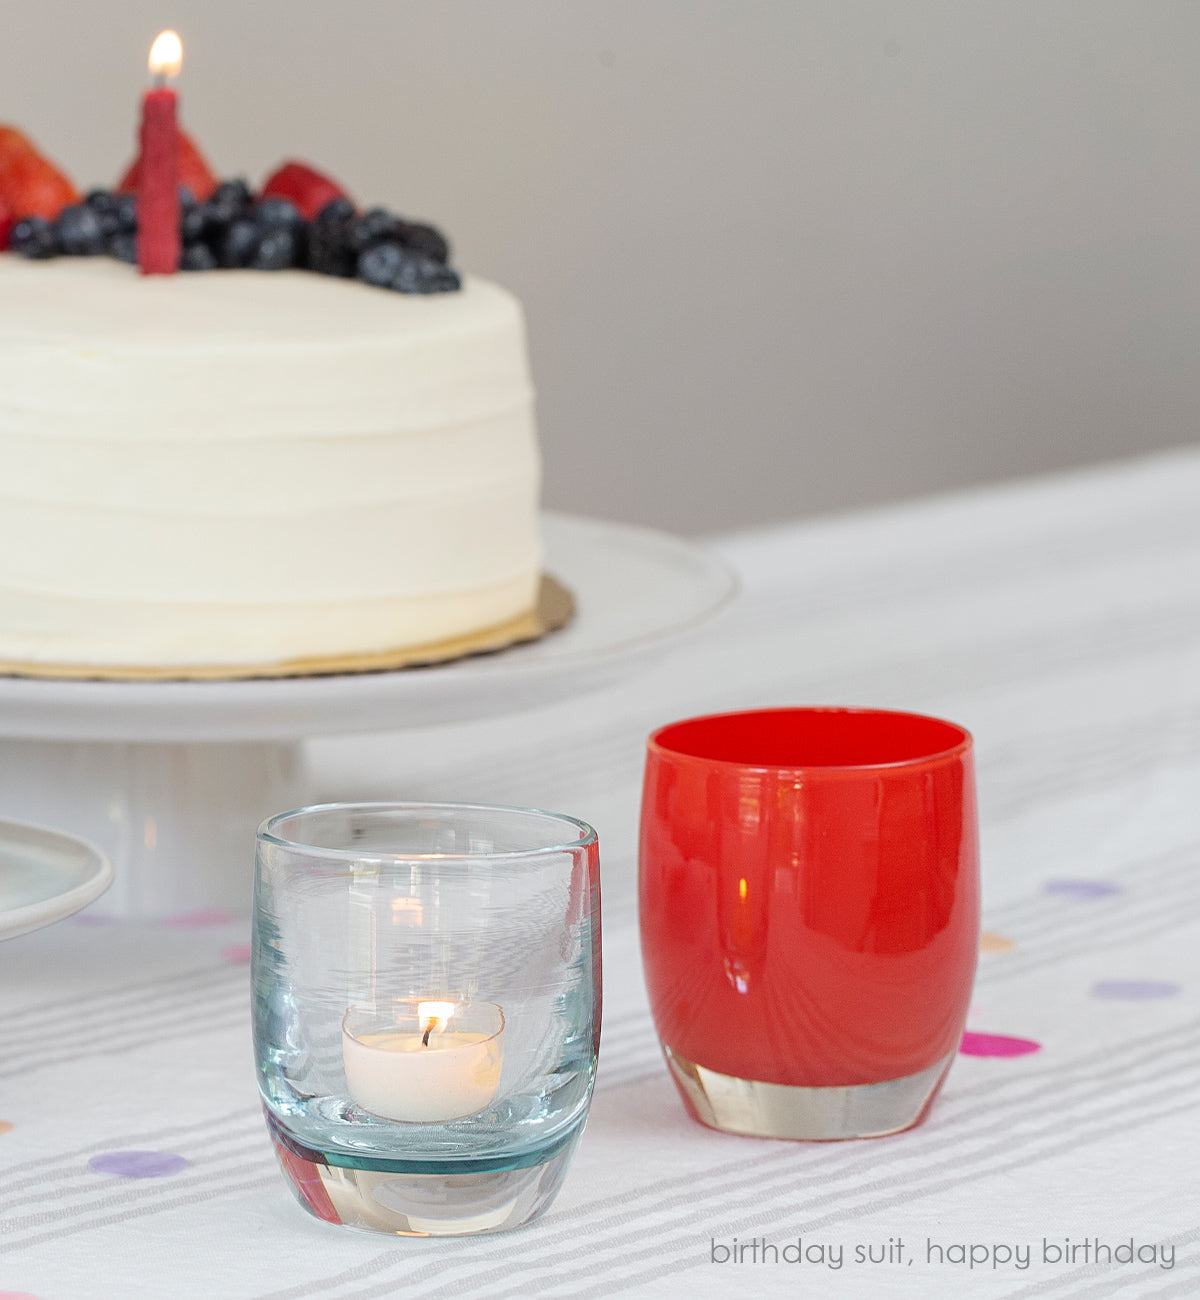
(809, 898)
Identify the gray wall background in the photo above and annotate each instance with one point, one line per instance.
(778, 256)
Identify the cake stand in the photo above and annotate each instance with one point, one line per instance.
(172, 778)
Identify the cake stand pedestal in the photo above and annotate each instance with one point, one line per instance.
(171, 779)
(177, 820)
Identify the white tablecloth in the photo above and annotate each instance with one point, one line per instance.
(1060, 621)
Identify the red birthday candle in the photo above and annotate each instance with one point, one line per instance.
(158, 242)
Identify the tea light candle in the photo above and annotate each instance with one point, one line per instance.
(438, 1062)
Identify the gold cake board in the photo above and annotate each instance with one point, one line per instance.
(553, 610)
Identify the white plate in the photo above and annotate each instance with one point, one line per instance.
(45, 876)
(636, 590)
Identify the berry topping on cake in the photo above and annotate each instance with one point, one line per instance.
(300, 218)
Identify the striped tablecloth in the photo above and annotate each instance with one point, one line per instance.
(1059, 620)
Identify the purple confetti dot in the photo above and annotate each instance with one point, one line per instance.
(1135, 990)
(1081, 889)
(138, 1164)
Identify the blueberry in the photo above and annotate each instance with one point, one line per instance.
(419, 238)
(376, 226)
(104, 204)
(418, 274)
(277, 212)
(276, 250)
(123, 246)
(239, 243)
(127, 212)
(335, 212)
(198, 257)
(192, 223)
(33, 237)
(80, 233)
(447, 280)
(101, 201)
(380, 264)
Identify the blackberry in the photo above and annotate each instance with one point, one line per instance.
(276, 250)
(33, 237)
(419, 238)
(104, 204)
(376, 226)
(198, 257)
(229, 201)
(328, 251)
(79, 230)
(123, 246)
(238, 244)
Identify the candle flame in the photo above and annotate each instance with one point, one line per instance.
(166, 55)
(434, 1015)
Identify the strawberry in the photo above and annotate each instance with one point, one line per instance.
(30, 185)
(194, 171)
(309, 189)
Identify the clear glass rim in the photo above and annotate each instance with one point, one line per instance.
(267, 832)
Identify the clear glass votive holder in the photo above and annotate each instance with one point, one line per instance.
(426, 983)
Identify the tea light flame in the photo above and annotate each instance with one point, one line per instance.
(166, 56)
(434, 1017)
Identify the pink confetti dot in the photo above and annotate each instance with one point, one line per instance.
(202, 917)
(17, 1295)
(974, 1044)
(1135, 990)
(138, 1164)
(237, 954)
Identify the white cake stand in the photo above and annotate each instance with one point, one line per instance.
(172, 778)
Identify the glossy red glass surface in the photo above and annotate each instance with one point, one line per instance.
(809, 892)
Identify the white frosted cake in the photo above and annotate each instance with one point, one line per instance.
(240, 468)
